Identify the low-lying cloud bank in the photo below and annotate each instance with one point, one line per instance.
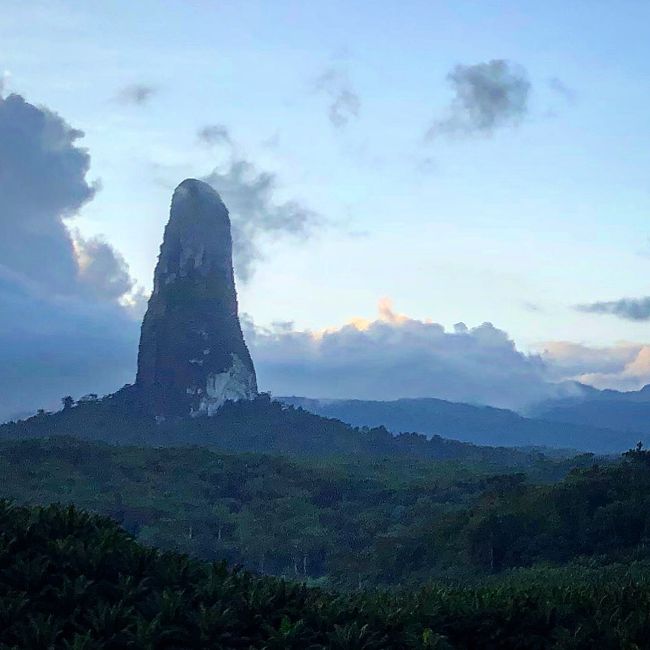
(625, 366)
(397, 356)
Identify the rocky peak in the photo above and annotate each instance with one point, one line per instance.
(192, 355)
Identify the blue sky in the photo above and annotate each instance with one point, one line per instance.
(515, 226)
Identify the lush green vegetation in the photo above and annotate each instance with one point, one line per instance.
(346, 523)
(72, 580)
(474, 547)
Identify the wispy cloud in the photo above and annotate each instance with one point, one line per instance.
(250, 194)
(256, 215)
(214, 134)
(487, 96)
(136, 94)
(344, 103)
(636, 309)
(561, 89)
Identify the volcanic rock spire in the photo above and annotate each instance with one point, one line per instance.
(192, 355)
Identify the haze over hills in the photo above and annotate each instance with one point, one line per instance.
(621, 411)
(480, 425)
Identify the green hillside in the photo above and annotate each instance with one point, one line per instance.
(260, 426)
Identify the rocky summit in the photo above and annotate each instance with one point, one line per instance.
(192, 356)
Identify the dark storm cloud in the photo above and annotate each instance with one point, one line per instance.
(487, 96)
(59, 295)
(636, 309)
(344, 102)
(249, 195)
(214, 134)
(42, 181)
(136, 94)
(52, 345)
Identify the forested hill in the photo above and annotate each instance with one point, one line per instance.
(479, 425)
(261, 426)
(346, 522)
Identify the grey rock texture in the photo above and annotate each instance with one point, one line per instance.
(192, 355)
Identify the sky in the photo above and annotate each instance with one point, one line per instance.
(413, 165)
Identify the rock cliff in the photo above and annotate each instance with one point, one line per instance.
(192, 355)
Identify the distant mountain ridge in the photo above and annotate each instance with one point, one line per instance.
(479, 425)
(617, 410)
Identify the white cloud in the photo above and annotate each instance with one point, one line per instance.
(396, 356)
(625, 366)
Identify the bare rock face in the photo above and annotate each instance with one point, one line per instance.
(192, 355)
